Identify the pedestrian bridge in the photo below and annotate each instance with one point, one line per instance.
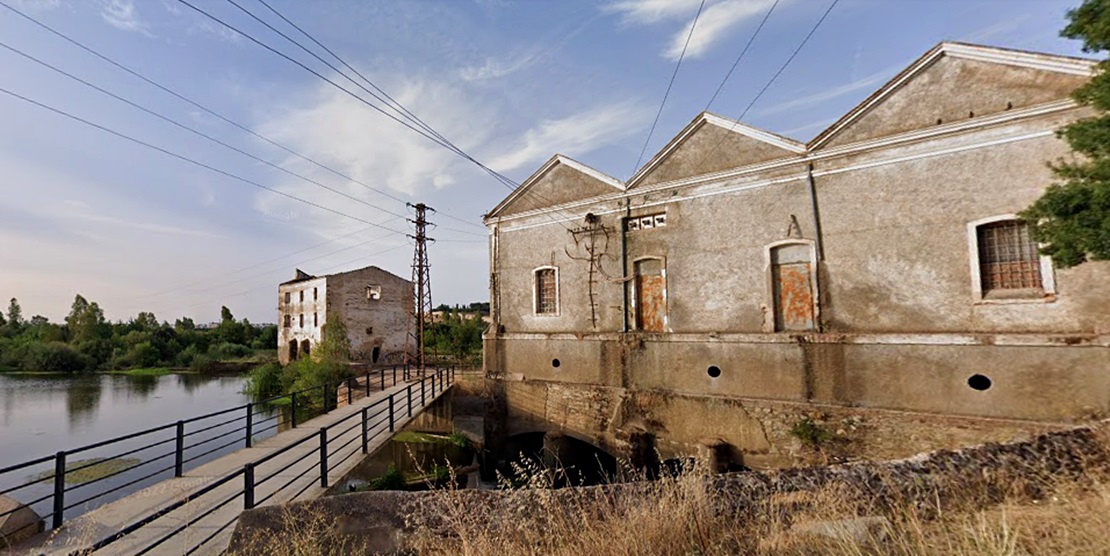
(195, 510)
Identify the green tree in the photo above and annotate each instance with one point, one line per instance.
(336, 346)
(1072, 218)
(15, 315)
(86, 321)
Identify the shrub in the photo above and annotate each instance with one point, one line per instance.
(228, 350)
(393, 479)
(265, 381)
(202, 363)
(810, 433)
(54, 357)
(185, 358)
(143, 354)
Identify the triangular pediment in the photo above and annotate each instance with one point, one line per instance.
(560, 180)
(710, 144)
(956, 82)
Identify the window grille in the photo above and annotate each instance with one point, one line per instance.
(546, 291)
(1008, 258)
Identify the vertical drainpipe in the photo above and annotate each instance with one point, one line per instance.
(624, 261)
(818, 242)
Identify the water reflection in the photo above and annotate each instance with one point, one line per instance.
(82, 400)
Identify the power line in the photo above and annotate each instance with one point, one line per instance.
(398, 106)
(751, 39)
(507, 182)
(669, 85)
(189, 160)
(194, 130)
(769, 83)
(205, 109)
(426, 135)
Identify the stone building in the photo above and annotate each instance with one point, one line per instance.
(373, 304)
(880, 265)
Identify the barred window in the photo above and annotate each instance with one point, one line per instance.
(1008, 258)
(547, 293)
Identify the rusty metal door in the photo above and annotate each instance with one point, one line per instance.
(651, 304)
(794, 292)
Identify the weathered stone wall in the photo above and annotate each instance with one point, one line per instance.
(314, 293)
(382, 323)
(900, 323)
(755, 433)
(978, 476)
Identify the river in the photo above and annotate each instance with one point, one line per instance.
(42, 414)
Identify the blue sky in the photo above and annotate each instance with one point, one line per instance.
(511, 82)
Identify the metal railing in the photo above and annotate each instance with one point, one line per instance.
(190, 442)
(319, 450)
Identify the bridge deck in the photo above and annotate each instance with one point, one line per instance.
(344, 444)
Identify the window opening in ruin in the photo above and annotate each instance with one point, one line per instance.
(373, 293)
(302, 295)
(302, 320)
(979, 382)
(306, 348)
(547, 291)
(375, 353)
(315, 320)
(315, 294)
(292, 350)
(288, 321)
(714, 371)
(651, 299)
(1008, 258)
(288, 297)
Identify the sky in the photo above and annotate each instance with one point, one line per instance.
(310, 177)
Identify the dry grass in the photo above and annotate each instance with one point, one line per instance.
(686, 515)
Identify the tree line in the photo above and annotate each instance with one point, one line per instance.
(87, 341)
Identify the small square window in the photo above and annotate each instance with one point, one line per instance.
(647, 222)
(634, 224)
(660, 220)
(373, 293)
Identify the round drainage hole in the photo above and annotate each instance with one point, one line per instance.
(555, 363)
(979, 382)
(714, 371)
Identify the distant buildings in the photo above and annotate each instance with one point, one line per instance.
(373, 304)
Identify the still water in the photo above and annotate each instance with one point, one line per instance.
(42, 414)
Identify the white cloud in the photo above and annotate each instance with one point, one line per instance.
(998, 30)
(714, 24)
(122, 15)
(868, 82)
(574, 135)
(716, 20)
(494, 69)
(647, 12)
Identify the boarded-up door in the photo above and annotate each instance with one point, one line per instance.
(651, 306)
(794, 292)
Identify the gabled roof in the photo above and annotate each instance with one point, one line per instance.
(553, 163)
(733, 126)
(1031, 60)
(300, 276)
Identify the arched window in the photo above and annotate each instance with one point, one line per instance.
(545, 291)
(1005, 263)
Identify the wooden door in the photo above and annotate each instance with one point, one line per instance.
(651, 304)
(794, 291)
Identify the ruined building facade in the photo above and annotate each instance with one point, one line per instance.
(373, 304)
(880, 265)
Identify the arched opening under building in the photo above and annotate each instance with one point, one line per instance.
(563, 459)
(306, 347)
(292, 350)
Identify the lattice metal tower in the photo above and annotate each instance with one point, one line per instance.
(421, 313)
